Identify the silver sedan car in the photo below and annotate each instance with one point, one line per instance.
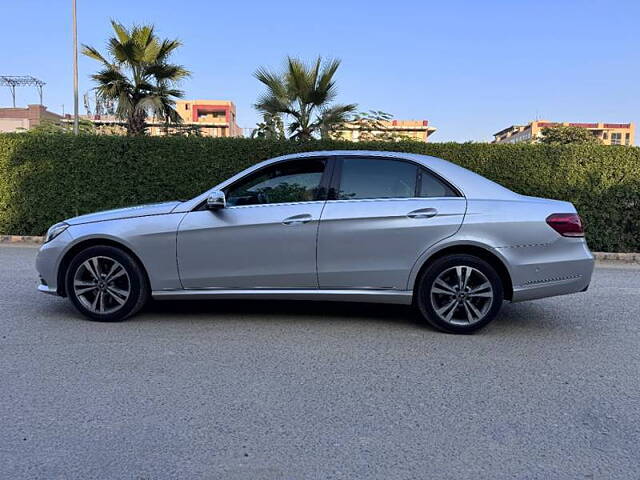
(335, 225)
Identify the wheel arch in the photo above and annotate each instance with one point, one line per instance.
(92, 242)
(479, 251)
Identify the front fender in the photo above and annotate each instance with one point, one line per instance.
(151, 239)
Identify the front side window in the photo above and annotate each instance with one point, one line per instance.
(286, 182)
(377, 178)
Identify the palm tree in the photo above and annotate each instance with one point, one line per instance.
(303, 94)
(138, 76)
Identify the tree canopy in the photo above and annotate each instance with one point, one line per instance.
(303, 94)
(137, 74)
(568, 135)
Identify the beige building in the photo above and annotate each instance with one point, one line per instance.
(213, 118)
(418, 130)
(22, 119)
(608, 133)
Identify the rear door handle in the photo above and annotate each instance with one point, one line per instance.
(298, 219)
(423, 213)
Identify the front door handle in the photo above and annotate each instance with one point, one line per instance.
(423, 213)
(298, 219)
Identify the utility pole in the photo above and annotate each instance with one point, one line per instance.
(75, 71)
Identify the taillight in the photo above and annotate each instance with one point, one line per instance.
(566, 224)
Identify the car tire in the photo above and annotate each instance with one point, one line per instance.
(106, 284)
(459, 293)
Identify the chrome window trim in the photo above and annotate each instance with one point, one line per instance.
(262, 205)
(393, 199)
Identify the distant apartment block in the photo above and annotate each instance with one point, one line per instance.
(214, 118)
(608, 133)
(418, 130)
(22, 119)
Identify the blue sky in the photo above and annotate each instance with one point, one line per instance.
(470, 67)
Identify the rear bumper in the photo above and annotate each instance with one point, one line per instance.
(559, 268)
(551, 289)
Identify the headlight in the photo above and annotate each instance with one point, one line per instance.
(55, 230)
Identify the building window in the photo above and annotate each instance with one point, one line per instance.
(627, 138)
(605, 136)
(616, 139)
(187, 106)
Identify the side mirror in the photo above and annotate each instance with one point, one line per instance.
(216, 200)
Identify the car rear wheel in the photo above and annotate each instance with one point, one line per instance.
(106, 284)
(459, 293)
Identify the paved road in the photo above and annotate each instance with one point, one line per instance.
(281, 390)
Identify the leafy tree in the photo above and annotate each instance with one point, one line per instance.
(271, 127)
(373, 126)
(46, 127)
(568, 135)
(184, 131)
(303, 94)
(138, 76)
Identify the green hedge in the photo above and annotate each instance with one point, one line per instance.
(46, 178)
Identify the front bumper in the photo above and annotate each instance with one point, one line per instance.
(48, 262)
(47, 289)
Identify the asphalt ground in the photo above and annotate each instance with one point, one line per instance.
(303, 390)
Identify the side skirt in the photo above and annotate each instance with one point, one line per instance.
(402, 297)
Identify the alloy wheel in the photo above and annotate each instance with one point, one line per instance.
(102, 285)
(461, 295)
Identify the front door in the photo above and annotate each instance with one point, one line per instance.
(384, 214)
(264, 238)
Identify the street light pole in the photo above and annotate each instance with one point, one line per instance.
(75, 71)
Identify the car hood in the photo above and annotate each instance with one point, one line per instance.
(128, 212)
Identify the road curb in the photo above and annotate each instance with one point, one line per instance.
(617, 257)
(600, 256)
(24, 239)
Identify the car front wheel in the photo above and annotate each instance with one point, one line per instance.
(459, 293)
(106, 284)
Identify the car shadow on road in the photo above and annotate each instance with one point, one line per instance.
(523, 318)
(268, 309)
(537, 316)
(514, 317)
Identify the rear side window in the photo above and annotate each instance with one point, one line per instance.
(431, 186)
(377, 178)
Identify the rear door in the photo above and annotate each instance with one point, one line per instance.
(381, 215)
